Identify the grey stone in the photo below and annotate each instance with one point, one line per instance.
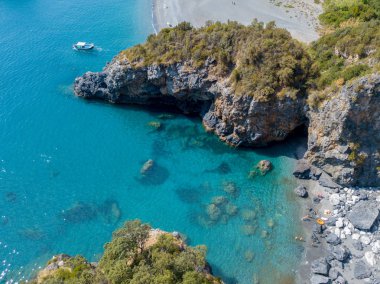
(364, 214)
(319, 279)
(333, 239)
(304, 170)
(340, 253)
(334, 273)
(301, 191)
(320, 266)
(361, 270)
(331, 221)
(326, 181)
(357, 245)
(340, 280)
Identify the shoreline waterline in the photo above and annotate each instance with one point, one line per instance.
(301, 20)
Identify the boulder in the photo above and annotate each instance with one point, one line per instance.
(320, 266)
(333, 239)
(364, 214)
(370, 257)
(319, 279)
(361, 270)
(357, 245)
(304, 170)
(340, 280)
(340, 253)
(264, 166)
(301, 191)
(326, 181)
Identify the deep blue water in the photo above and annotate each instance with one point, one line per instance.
(57, 150)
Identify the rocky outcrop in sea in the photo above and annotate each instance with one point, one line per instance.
(344, 133)
(237, 120)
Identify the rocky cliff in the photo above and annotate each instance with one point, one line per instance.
(344, 133)
(236, 119)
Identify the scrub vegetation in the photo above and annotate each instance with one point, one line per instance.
(260, 60)
(132, 257)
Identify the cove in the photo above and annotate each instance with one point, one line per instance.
(62, 155)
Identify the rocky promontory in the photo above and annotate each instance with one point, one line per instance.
(237, 120)
(251, 94)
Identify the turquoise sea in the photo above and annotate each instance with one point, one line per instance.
(68, 167)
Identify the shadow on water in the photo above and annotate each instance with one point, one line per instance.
(189, 194)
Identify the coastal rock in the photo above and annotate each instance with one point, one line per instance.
(357, 245)
(364, 214)
(344, 133)
(334, 199)
(361, 270)
(319, 279)
(376, 247)
(237, 120)
(370, 257)
(304, 170)
(340, 253)
(264, 166)
(340, 280)
(301, 191)
(320, 266)
(333, 239)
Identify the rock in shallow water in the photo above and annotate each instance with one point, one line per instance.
(301, 191)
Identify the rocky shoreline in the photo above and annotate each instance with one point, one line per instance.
(342, 232)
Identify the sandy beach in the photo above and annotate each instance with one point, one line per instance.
(297, 16)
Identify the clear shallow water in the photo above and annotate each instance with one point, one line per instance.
(57, 150)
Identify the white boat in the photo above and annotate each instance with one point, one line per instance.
(81, 45)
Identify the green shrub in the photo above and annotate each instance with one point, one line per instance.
(259, 60)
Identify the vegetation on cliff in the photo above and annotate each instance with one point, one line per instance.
(260, 60)
(134, 256)
(348, 49)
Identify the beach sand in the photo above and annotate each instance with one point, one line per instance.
(297, 16)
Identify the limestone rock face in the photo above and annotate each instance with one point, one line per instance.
(344, 134)
(237, 120)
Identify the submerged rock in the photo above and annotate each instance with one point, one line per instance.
(147, 166)
(264, 166)
(249, 255)
(10, 197)
(155, 125)
(110, 211)
(34, 234)
(213, 212)
(231, 188)
(249, 230)
(223, 168)
(79, 212)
